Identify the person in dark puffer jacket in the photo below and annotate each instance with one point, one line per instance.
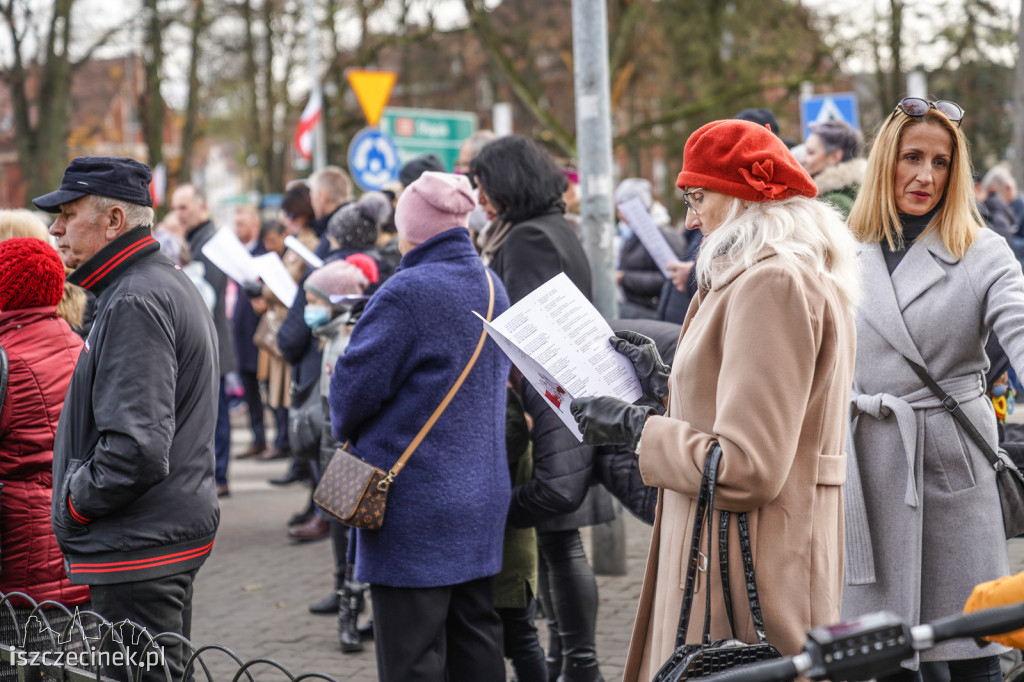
(134, 506)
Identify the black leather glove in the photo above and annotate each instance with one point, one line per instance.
(252, 289)
(605, 421)
(643, 353)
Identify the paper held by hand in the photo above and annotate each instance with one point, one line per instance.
(230, 255)
(647, 232)
(276, 276)
(300, 249)
(559, 341)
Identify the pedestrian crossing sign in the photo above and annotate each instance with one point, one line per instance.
(831, 106)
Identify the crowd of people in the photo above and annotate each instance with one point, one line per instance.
(808, 300)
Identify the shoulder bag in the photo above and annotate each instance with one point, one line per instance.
(1009, 479)
(265, 336)
(354, 491)
(693, 661)
(305, 419)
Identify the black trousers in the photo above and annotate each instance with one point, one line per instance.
(254, 402)
(159, 605)
(437, 634)
(984, 669)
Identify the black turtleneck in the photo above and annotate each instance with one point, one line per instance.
(911, 228)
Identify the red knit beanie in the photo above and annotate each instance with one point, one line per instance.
(744, 160)
(31, 274)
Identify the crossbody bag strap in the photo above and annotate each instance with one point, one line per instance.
(694, 563)
(448, 398)
(5, 370)
(952, 406)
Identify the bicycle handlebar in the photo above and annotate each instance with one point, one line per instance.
(872, 645)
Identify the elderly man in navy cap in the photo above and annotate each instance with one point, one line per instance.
(134, 504)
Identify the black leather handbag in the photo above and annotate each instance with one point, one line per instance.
(693, 661)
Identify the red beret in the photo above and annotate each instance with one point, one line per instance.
(31, 274)
(744, 160)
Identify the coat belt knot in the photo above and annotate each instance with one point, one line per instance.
(860, 560)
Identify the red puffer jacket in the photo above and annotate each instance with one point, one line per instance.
(42, 351)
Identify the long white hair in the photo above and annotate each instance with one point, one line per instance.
(797, 229)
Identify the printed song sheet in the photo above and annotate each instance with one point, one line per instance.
(230, 255)
(559, 341)
(648, 233)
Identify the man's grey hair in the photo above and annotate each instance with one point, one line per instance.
(478, 140)
(997, 178)
(334, 182)
(136, 215)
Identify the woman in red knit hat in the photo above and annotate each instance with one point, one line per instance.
(763, 369)
(42, 351)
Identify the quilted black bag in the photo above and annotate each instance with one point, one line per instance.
(692, 661)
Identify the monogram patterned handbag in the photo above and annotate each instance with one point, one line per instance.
(354, 491)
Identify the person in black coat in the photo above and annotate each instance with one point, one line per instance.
(527, 242)
(190, 206)
(637, 275)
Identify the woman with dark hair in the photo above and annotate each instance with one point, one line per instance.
(527, 242)
(833, 158)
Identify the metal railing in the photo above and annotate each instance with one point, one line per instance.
(51, 642)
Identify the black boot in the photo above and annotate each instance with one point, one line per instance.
(348, 614)
(581, 671)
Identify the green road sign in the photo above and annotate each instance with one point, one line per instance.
(428, 131)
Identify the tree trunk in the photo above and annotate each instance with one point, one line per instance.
(895, 41)
(190, 132)
(152, 102)
(1018, 104)
(254, 132)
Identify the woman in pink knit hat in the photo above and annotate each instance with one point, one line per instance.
(433, 561)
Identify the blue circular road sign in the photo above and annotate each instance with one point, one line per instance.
(372, 159)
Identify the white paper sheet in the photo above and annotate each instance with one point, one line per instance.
(275, 275)
(293, 243)
(648, 233)
(230, 255)
(559, 341)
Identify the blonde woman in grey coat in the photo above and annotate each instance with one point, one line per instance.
(923, 521)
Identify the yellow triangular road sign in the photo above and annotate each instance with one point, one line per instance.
(373, 89)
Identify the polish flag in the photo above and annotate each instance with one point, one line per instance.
(307, 124)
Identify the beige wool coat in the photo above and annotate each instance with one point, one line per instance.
(764, 365)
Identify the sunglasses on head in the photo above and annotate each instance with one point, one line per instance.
(917, 107)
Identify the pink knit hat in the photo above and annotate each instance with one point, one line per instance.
(434, 203)
(337, 278)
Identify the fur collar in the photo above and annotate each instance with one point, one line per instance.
(841, 175)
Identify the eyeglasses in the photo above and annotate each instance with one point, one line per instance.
(917, 107)
(689, 203)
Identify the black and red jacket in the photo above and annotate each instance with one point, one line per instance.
(133, 489)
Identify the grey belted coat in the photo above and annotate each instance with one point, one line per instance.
(923, 523)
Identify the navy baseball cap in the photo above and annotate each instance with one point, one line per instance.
(106, 176)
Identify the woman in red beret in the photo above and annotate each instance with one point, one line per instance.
(41, 354)
(763, 369)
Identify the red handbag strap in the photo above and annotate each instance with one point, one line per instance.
(448, 398)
